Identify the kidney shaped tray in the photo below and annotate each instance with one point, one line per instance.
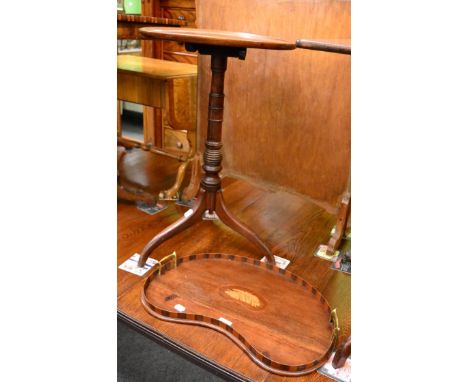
(283, 323)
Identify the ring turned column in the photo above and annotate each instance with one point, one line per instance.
(219, 45)
(213, 156)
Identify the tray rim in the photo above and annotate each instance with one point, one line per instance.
(193, 319)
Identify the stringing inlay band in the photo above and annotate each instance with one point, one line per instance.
(247, 300)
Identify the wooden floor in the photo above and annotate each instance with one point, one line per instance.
(293, 227)
(150, 172)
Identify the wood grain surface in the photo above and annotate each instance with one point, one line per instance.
(291, 225)
(287, 119)
(217, 38)
(280, 321)
(148, 81)
(154, 68)
(180, 10)
(159, 173)
(128, 25)
(124, 18)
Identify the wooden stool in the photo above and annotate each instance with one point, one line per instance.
(219, 45)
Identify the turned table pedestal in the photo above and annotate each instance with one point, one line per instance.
(220, 45)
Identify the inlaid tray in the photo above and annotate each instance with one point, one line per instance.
(283, 323)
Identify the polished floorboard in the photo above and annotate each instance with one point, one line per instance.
(293, 227)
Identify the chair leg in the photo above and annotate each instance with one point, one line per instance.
(231, 221)
(171, 193)
(192, 189)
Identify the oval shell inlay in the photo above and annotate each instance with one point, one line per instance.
(244, 296)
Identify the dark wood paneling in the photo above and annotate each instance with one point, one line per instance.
(287, 116)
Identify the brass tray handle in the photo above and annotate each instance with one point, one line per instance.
(161, 262)
(336, 326)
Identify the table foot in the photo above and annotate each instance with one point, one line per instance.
(179, 225)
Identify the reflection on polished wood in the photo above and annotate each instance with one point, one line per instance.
(148, 172)
(126, 192)
(291, 225)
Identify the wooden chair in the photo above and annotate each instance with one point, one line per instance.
(153, 83)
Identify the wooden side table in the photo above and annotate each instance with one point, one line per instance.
(149, 81)
(209, 202)
(140, 71)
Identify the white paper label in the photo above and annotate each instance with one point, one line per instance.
(322, 253)
(343, 374)
(280, 262)
(179, 307)
(131, 265)
(227, 322)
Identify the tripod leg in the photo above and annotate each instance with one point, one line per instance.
(179, 225)
(231, 221)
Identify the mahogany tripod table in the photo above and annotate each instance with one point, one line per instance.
(219, 45)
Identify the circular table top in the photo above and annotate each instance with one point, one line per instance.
(216, 38)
